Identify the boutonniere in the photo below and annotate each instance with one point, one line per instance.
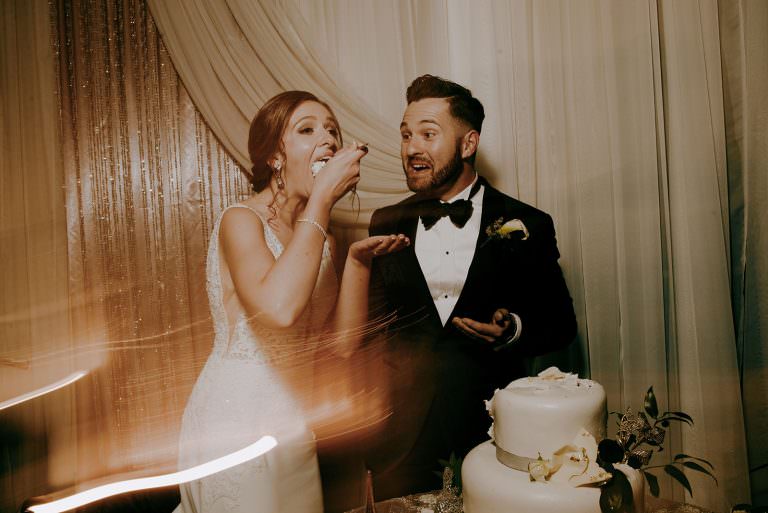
(500, 229)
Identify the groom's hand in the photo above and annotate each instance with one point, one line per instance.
(500, 328)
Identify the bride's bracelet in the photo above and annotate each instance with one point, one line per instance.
(315, 224)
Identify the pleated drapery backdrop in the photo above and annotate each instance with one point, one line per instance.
(632, 123)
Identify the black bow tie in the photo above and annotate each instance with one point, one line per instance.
(459, 211)
(430, 211)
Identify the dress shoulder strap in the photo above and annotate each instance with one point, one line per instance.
(240, 205)
(275, 246)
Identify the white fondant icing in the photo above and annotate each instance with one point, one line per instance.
(490, 487)
(539, 415)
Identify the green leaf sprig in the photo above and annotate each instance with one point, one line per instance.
(454, 463)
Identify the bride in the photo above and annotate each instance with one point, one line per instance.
(272, 291)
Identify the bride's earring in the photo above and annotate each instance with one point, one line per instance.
(279, 175)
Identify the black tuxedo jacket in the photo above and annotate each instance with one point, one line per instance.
(438, 378)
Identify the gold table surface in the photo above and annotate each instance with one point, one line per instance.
(409, 505)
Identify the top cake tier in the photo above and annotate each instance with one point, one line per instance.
(541, 414)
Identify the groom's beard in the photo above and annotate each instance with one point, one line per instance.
(448, 174)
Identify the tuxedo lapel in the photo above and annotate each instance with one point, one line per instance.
(410, 267)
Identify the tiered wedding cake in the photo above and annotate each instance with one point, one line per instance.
(543, 454)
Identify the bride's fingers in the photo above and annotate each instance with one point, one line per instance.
(401, 242)
(380, 244)
(391, 243)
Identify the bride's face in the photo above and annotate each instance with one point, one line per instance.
(312, 134)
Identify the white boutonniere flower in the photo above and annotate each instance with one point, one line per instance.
(500, 229)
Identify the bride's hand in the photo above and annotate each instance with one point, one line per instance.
(363, 251)
(340, 174)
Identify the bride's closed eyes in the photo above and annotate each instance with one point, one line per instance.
(309, 127)
(309, 130)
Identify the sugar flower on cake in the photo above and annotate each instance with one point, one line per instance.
(575, 464)
(489, 408)
(586, 470)
(555, 374)
(540, 469)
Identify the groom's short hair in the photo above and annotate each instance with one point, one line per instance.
(463, 105)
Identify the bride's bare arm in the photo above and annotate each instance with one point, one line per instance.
(275, 292)
(350, 316)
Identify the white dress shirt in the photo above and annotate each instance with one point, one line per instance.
(445, 253)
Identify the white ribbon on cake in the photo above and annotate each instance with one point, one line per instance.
(575, 463)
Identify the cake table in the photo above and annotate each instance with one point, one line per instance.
(421, 504)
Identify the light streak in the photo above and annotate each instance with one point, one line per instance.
(43, 390)
(263, 445)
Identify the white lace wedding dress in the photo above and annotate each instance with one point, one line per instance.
(240, 397)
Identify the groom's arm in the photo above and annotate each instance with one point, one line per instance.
(541, 319)
(547, 318)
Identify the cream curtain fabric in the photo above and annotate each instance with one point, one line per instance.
(233, 56)
(34, 300)
(607, 115)
(702, 345)
(744, 45)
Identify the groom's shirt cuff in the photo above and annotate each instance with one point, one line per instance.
(515, 336)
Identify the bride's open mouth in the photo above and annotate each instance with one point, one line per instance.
(319, 164)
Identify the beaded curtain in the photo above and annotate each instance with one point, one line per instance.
(145, 180)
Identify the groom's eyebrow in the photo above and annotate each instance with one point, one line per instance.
(421, 122)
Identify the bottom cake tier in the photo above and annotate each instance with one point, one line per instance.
(491, 487)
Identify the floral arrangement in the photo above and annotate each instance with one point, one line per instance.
(639, 436)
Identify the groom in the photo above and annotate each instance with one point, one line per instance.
(470, 298)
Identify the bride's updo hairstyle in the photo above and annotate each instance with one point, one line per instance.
(265, 139)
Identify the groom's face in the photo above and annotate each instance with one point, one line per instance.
(430, 145)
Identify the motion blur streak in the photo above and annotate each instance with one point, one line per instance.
(263, 445)
(43, 390)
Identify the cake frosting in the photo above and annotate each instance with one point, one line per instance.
(542, 456)
(539, 415)
(317, 166)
